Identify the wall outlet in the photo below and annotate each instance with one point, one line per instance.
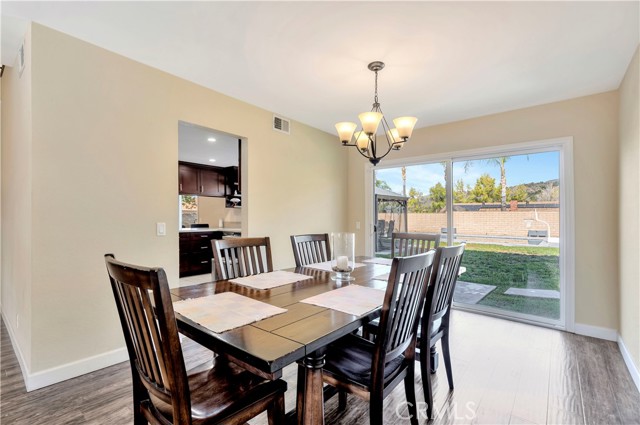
(161, 229)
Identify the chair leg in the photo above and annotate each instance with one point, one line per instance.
(425, 369)
(139, 394)
(275, 413)
(375, 409)
(410, 391)
(342, 400)
(447, 358)
(434, 359)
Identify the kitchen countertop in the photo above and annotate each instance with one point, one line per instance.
(211, 229)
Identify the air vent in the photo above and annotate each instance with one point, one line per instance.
(281, 124)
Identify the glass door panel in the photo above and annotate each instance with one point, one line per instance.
(507, 211)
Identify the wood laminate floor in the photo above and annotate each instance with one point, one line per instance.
(504, 372)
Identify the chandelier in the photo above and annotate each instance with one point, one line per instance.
(366, 140)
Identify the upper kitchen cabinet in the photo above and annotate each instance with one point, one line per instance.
(188, 180)
(201, 180)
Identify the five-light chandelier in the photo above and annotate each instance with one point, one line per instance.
(366, 140)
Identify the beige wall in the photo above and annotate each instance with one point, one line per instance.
(105, 154)
(629, 211)
(592, 121)
(211, 210)
(17, 202)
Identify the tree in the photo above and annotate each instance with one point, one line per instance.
(382, 184)
(437, 198)
(549, 193)
(459, 193)
(500, 162)
(485, 189)
(417, 202)
(518, 193)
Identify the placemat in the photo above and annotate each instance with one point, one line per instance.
(383, 261)
(225, 311)
(352, 299)
(270, 280)
(326, 266)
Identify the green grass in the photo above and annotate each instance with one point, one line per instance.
(515, 267)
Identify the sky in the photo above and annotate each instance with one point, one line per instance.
(520, 169)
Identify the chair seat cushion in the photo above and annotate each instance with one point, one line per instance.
(351, 357)
(221, 390)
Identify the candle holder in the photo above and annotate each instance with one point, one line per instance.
(343, 255)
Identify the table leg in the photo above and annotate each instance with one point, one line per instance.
(310, 400)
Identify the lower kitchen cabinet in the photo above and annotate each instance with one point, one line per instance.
(196, 253)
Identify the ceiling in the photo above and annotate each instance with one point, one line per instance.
(307, 61)
(194, 145)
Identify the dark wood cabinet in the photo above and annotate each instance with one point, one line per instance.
(195, 179)
(196, 253)
(188, 180)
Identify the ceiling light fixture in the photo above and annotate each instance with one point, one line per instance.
(211, 139)
(212, 160)
(366, 139)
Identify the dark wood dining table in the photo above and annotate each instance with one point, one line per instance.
(301, 334)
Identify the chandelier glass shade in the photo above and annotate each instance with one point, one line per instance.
(366, 140)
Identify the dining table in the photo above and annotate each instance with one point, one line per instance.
(300, 334)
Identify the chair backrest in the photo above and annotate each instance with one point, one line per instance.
(405, 244)
(446, 267)
(403, 304)
(151, 334)
(239, 257)
(309, 249)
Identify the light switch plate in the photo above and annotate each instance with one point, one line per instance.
(161, 229)
(357, 225)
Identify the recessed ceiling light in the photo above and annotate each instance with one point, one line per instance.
(212, 160)
(211, 139)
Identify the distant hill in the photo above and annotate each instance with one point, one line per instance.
(541, 191)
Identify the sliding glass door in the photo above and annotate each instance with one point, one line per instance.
(505, 207)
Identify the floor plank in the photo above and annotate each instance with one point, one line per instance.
(504, 373)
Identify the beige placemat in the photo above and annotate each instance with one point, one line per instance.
(352, 299)
(326, 266)
(270, 280)
(383, 261)
(225, 311)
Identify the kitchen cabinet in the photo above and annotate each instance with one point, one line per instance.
(196, 252)
(194, 179)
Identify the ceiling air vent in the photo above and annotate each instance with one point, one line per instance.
(281, 124)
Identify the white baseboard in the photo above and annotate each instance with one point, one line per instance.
(633, 370)
(34, 381)
(596, 332)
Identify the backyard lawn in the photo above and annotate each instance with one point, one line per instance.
(515, 267)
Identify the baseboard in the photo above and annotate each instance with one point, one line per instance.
(34, 381)
(16, 350)
(633, 370)
(596, 332)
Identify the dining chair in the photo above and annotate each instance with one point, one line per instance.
(372, 370)
(407, 243)
(310, 249)
(435, 322)
(164, 392)
(239, 257)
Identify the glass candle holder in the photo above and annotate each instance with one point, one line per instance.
(343, 255)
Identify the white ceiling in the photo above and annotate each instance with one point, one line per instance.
(194, 146)
(307, 61)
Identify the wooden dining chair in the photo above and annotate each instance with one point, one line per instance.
(164, 392)
(310, 249)
(435, 317)
(372, 370)
(239, 257)
(406, 243)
